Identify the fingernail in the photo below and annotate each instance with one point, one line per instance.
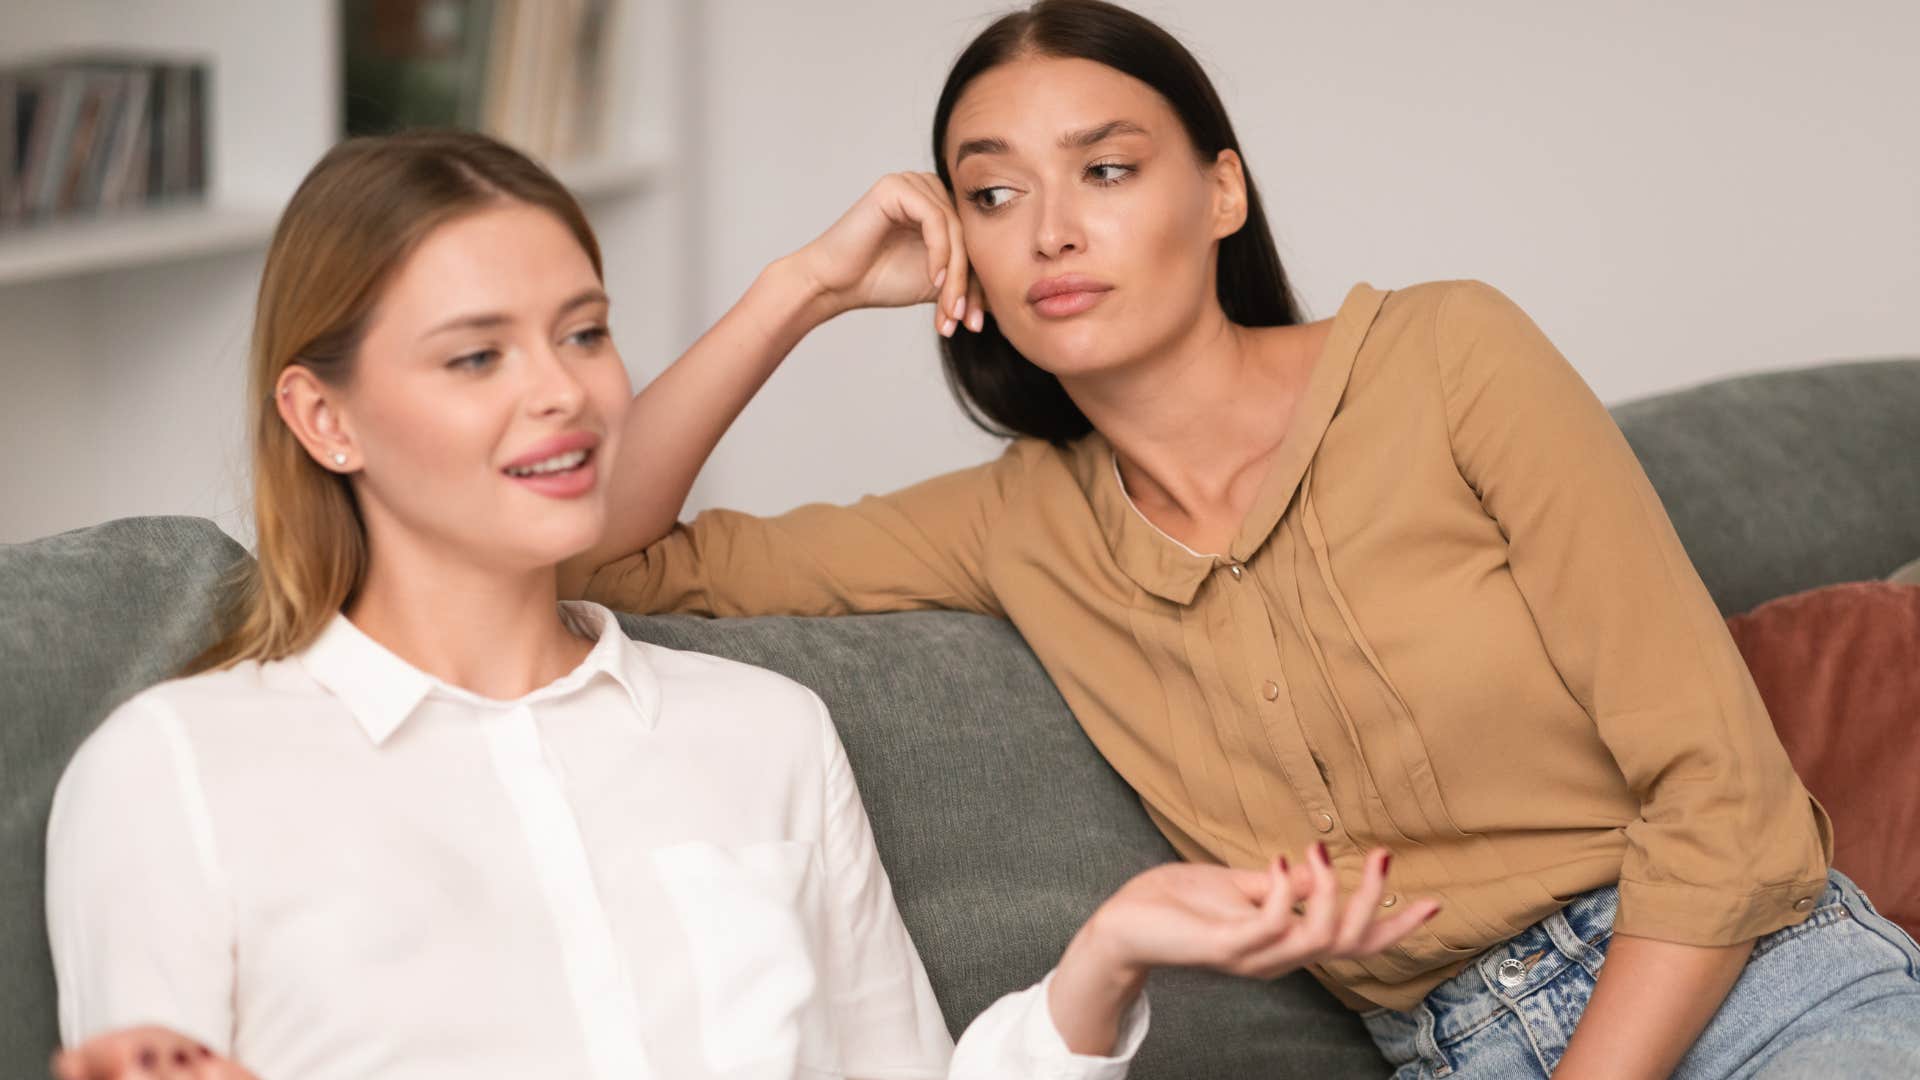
(1283, 863)
(181, 1059)
(1431, 915)
(940, 278)
(959, 307)
(977, 320)
(946, 328)
(205, 1053)
(1385, 861)
(148, 1059)
(1320, 849)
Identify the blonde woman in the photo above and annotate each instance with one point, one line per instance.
(415, 817)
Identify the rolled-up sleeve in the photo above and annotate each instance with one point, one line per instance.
(1728, 840)
(922, 547)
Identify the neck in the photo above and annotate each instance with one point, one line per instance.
(497, 634)
(1192, 423)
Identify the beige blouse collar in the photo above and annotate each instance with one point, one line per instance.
(1166, 568)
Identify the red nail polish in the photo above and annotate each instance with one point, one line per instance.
(148, 1059)
(1385, 861)
(1431, 915)
(1283, 863)
(205, 1053)
(181, 1059)
(1321, 850)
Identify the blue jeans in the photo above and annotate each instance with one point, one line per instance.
(1836, 997)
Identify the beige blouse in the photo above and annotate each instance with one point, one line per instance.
(1456, 623)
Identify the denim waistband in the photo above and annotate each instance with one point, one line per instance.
(1479, 993)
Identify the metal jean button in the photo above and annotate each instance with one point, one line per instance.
(1510, 973)
(1803, 904)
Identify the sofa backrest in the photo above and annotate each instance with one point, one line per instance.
(1787, 480)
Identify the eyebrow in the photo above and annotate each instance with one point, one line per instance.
(1072, 140)
(488, 319)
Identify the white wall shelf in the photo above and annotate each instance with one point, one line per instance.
(136, 238)
(66, 248)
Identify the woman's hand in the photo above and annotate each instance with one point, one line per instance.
(1256, 924)
(900, 244)
(147, 1053)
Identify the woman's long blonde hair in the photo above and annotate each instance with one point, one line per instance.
(355, 218)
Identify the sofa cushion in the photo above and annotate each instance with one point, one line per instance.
(1787, 480)
(1836, 667)
(87, 619)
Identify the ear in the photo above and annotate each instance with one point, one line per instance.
(309, 409)
(1229, 179)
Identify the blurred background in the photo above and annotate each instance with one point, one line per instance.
(1676, 192)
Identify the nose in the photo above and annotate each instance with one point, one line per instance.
(1058, 231)
(554, 389)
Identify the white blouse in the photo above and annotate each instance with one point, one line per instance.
(658, 866)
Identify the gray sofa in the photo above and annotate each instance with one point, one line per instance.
(1001, 826)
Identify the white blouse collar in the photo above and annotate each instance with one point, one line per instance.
(382, 690)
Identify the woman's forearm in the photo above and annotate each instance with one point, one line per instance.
(1091, 992)
(1652, 1000)
(675, 422)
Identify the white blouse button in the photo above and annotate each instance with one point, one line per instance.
(1389, 900)
(1271, 691)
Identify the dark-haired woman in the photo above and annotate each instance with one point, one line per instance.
(1388, 580)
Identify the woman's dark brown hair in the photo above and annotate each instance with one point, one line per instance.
(1001, 390)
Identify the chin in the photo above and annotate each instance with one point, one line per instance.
(553, 541)
(1069, 350)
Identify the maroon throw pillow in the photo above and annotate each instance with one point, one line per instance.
(1839, 669)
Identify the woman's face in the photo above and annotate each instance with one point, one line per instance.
(486, 396)
(1091, 224)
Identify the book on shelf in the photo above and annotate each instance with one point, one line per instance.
(85, 134)
(532, 73)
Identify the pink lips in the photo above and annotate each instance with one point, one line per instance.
(1068, 294)
(570, 484)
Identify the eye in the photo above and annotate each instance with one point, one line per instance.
(1108, 173)
(590, 338)
(475, 361)
(990, 198)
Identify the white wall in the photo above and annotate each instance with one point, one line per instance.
(1674, 194)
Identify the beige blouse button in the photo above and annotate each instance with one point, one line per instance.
(1271, 690)
(1805, 903)
(1235, 571)
(1390, 900)
(1324, 822)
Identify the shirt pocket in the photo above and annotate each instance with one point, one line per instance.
(751, 914)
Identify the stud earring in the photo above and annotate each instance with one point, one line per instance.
(340, 458)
